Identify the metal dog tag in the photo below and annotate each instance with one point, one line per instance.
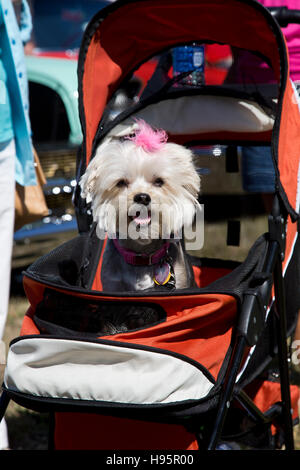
(163, 275)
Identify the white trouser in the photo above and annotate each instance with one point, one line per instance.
(7, 211)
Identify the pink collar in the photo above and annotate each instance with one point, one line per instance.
(141, 259)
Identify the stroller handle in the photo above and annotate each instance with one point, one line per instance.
(284, 16)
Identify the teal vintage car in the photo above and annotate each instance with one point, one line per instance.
(56, 131)
(56, 134)
(52, 73)
(55, 79)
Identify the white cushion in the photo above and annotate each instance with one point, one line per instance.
(64, 368)
(201, 114)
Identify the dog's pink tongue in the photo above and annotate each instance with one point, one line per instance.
(142, 220)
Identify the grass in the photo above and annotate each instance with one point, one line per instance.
(28, 430)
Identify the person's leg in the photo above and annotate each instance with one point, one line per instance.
(258, 176)
(258, 173)
(7, 211)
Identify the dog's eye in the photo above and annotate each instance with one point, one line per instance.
(158, 182)
(121, 183)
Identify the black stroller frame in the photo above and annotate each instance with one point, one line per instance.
(253, 311)
(252, 317)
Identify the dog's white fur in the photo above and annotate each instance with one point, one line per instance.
(118, 161)
(122, 169)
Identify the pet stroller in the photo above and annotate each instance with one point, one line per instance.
(202, 374)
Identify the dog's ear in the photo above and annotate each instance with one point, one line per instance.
(192, 189)
(88, 182)
(183, 159)
(192, 182)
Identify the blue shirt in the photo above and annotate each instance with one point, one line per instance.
(12, 56)
(6, 124)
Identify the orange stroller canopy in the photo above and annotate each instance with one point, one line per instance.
(127, 33)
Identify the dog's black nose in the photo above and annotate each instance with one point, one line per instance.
(142, 198)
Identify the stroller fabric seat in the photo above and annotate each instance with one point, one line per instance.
(199, 368)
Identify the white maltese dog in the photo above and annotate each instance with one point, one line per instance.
(143, 191)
